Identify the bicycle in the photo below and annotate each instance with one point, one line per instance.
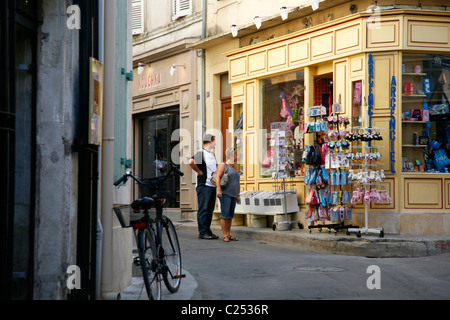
(157, 241)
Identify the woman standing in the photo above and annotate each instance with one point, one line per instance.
(229, 195)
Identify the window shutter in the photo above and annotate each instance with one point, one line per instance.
(137, 14)
(181, 8)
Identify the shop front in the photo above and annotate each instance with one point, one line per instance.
(389, 77)
(164, 118)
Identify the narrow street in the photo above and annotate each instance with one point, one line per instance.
(300, 115)
(251, 270)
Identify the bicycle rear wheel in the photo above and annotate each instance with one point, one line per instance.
(147, 256)
(172, 256)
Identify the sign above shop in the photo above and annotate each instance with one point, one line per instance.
(317, 111)
(337, 108)
(149, 80)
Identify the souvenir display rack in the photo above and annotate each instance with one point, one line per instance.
(366, 178)
(281, 142)
(329, 191)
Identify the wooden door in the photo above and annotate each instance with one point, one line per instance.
(226, 133)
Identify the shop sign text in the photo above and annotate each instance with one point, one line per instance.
(151, 80)
(392, 122)
(371, 76)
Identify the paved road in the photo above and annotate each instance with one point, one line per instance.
(252, 270)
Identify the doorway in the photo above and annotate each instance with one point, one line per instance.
(157, 148)
(18, 35)
(226, 125)
(323, 91)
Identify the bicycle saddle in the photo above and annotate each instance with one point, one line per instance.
(143, 204)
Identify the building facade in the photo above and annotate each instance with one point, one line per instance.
(383, 64)
(168, 92)
(222, 67)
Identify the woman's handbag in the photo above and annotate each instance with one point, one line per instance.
(223, 180)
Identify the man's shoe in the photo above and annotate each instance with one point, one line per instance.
(208, 236)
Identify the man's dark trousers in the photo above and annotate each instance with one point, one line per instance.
(206, 197)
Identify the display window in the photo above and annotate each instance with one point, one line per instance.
(425, 113)
(238, 120)
(282, 106)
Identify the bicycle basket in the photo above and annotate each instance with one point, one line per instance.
(126, 216)
(147, 189)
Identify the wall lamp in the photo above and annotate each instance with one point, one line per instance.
(284, 12)
(140, 68)
(315, 4)
(258, 21)
(234, 29)
(173, 68)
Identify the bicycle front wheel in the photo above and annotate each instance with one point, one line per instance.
(172, 256)
(147, 256)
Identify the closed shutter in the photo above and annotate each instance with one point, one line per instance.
(137, 14)
(181, 8)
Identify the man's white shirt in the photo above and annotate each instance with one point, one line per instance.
(211, 165)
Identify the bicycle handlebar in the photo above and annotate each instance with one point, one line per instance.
(155, 181)
(178, 171)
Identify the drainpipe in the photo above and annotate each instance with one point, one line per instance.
(108, 151)
(101, 30)
(203, 52)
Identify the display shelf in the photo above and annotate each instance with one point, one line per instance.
(366, 185)
(282, 168)
(414, 74)
(413, 95)
(413, 122)
(413, 146)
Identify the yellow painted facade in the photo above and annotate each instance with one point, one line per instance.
(420, 200)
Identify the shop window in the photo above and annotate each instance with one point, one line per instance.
(282, 102)
(357, 111)
(425, 113)
(238, 120)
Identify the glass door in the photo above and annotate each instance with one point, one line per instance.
(157, 150)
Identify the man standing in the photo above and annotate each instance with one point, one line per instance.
(204, 164)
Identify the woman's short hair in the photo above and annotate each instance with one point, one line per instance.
(229, 153)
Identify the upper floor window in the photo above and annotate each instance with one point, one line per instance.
(137, 16)
(181, 8)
